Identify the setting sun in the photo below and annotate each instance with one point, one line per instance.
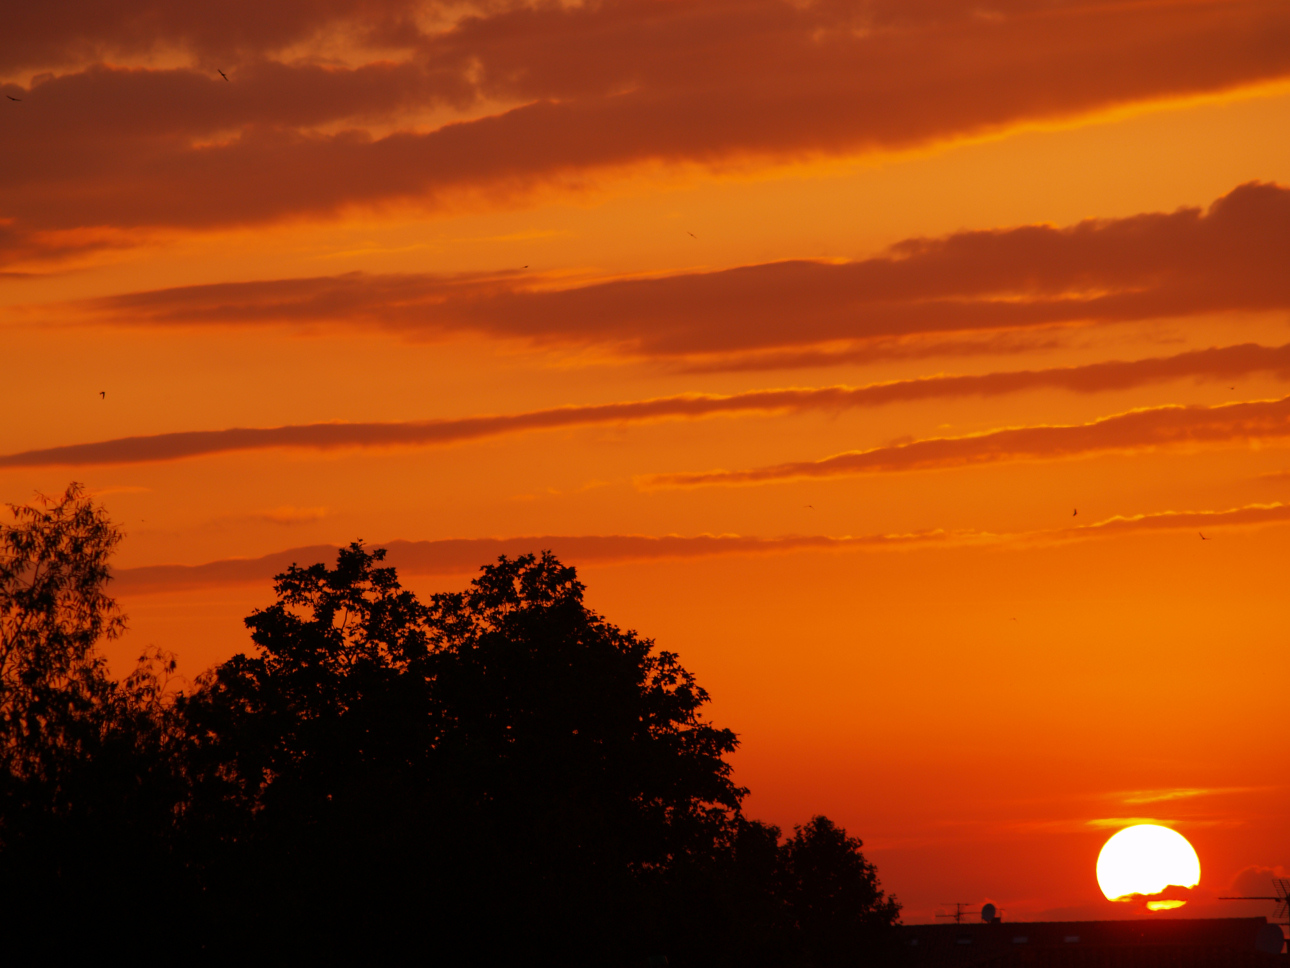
(1145, 859)
(917, 374)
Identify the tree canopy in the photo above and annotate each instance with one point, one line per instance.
(54, 609)
(90, 778)
(499, 774)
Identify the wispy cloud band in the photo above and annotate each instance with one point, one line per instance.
(1149, 428)
(1148, 266)
(463, 555)
(1215, 363)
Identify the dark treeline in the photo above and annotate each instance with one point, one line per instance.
(497, 776)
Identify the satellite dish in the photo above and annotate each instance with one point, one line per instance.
(1270, 939)
(987, 913)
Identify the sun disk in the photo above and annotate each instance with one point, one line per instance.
(1145, 859)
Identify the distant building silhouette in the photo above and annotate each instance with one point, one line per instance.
(1172, 943)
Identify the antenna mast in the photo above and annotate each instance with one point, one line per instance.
(1282, 886)
(958, 912)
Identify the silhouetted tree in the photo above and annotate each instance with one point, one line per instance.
(812, 901)
(88, 779)
(498, 775)
(53, 611)
(311, 766)
(581, 745)
(837, 909)
(724, 910)
(503, 760)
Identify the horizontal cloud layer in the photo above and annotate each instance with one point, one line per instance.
(1251, 515)
(1114, 270)
(465, 555)
(548, 90)
(73, 31)
(499, 33)
(1226, 362)
(1136, 430)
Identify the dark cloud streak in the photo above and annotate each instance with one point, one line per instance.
(462, 556)
(1148, 428)
(465, 555)
(596, 87)
(74, 31)
(1228, 258)
(1210, 364)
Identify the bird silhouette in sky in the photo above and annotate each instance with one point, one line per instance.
(1075, 512)
(811, 506)
(103, 394)
(691, 235)
(1202, 537)
(12, 98)
(222, 74)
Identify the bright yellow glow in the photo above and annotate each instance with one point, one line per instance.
(1145, 859)
(1166, 905)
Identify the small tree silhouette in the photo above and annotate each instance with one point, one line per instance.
(833, 896)
(89, 767)
(54, 609)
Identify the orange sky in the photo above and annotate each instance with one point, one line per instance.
(802, 328)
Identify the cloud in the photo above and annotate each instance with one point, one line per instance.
(549, 92)
(1113, 822)
(1214, 363)
(75, 31)
(1120, 822)
(979, 283)
(1250, 515)
(1247, 516)
(1148, 428)
(878, 349)
(465, 555)
(459, 556)
(1257, 880)
(1178, 793)
(288, 514)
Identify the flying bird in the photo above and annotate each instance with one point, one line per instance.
(12, 98)
(103, 394)
(1202, 537)
(691, 235)
(1075, 512)
(811, 506)
(222, 74)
